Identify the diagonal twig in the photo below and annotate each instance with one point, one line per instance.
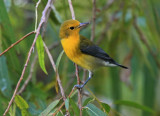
(43, 20)
(54, 67)
(36, 14)
(17, 42)
(64, 102)
(57, 74)
(29, 76)
(79, 91)
(54, 45)
(71, 9)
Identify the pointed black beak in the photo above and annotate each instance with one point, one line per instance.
(83, 25)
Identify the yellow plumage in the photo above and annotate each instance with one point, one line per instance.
(81, 50)
(72, 50)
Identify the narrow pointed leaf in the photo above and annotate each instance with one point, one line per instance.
(67, 103)
(49, 108)
(74, 107)
(8, 37)
(21, 103)
(59, 114)
(5, 84)
(87, 101)
(106, 107)
(40, 50)
(92, 110)
(59, 59)
(135, 105)
(57, 66)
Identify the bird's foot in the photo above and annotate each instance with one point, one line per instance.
(78, 86)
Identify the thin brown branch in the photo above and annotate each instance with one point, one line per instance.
(57, 74)
(30, 33)
(36, 13)
(79, 91)
(93, 20)
(78, 79)
(43, 20)
(71, 9)
(54, 45)
(29, 76)
(144, 40)
(64, 102)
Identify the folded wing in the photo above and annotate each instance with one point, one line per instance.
(89, 48)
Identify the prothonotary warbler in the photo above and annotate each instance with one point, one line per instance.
(81, 50)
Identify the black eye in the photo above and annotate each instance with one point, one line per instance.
(71, 28)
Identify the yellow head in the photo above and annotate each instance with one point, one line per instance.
(70, 28)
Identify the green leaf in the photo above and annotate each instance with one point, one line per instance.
(59, 114)
(12, 110)
(5, 84)
(40, 49)
(8, 37)
(20, 102)
(135, 105)
(106, 107)
(92, 110)
(33, 109)
(74, 107)
(49, 108)
(84, 112)
(24, 112)
(75, 92)
(22, 105)
(6, 22)
(59, 59)
(67, 103)
(88, 100)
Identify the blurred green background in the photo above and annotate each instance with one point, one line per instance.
(128, 30)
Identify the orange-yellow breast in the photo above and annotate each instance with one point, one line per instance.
(72, 50)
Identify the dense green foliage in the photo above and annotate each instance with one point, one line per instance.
(128, 30)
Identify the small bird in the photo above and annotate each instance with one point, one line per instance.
(82, 51)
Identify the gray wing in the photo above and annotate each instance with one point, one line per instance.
(87, 47)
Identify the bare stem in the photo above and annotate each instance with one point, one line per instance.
(17, 42)
(64, 102)
(57, 74)
(71, 9)
(93, 20)
(54, 45)
(79, 91)
(30, 75)
(36, 14)
(43, 20)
